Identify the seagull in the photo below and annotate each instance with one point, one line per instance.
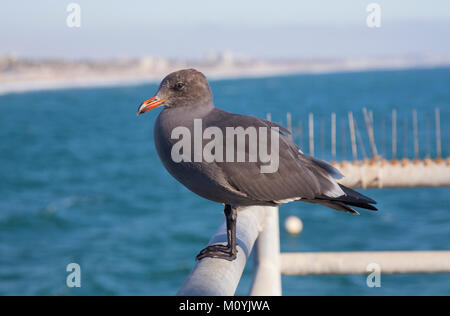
(187, 100)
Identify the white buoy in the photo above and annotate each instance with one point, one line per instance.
(293, 225)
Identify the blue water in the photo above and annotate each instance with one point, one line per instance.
(81, 182)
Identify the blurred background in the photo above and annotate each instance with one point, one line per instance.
(80, 180)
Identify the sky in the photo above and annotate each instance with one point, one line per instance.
(191, 29)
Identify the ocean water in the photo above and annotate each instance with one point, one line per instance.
(80, 181)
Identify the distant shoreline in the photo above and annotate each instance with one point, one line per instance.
(35, 77)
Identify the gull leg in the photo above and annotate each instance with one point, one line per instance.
(229, 251)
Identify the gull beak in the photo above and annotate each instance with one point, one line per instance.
(150, 104)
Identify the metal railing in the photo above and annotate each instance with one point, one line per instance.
(221, 277)
(258, 229)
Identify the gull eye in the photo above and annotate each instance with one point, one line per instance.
(179, 86)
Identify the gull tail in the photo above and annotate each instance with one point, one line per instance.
(345, 202)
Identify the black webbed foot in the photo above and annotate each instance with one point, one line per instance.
(217, 251)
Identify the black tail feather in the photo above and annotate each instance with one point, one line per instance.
(343, 203)
(352, 194)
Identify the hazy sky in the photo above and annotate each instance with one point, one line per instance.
(274, 29)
